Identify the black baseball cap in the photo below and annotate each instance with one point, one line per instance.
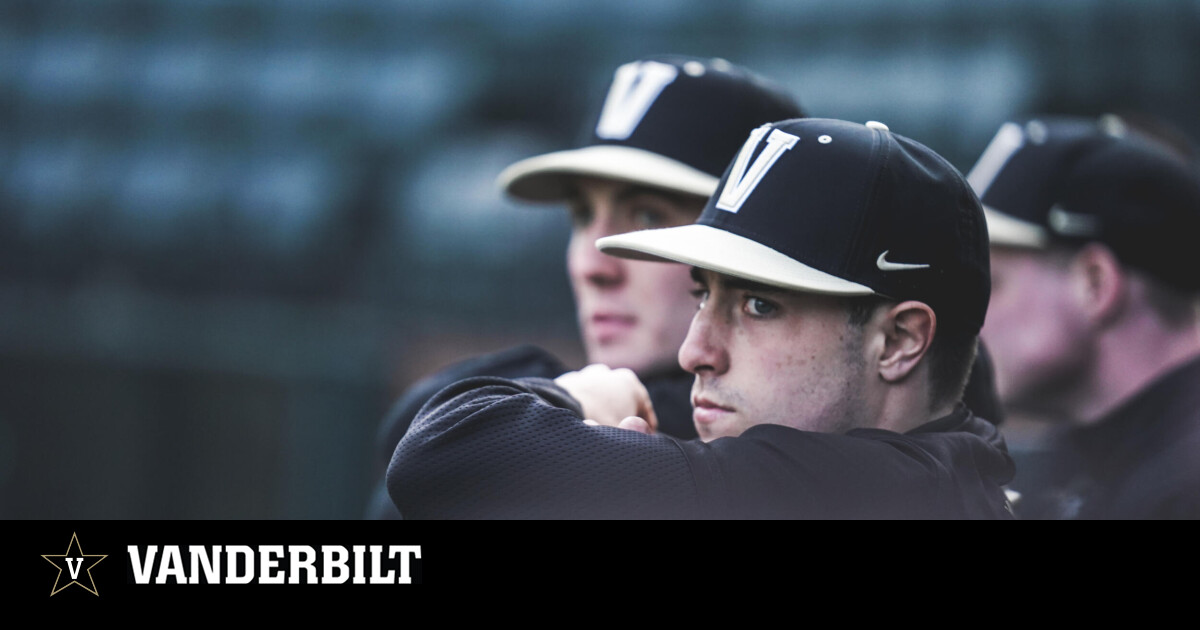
(669, 121)
(1069, 180)
(834, 207)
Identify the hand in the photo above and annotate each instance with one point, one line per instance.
(632, 423)
(611, 397)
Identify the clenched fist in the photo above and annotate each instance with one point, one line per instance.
(615, 398)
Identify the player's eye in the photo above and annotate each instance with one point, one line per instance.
(581, 215)
(647, 218)
(759, 307)
(701, 295)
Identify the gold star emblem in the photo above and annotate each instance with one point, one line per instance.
(76, 564)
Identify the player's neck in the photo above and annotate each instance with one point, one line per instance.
(906, 406)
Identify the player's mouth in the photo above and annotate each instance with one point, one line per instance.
(606, 327)
(707, 411)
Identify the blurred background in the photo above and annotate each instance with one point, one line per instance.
(232, 231)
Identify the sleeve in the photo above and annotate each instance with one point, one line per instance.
(497, 448)
(522, 361)
(776, 472)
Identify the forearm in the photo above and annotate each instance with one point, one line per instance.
(495, 448)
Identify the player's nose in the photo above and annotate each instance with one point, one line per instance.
(588, 265)
(704, 348)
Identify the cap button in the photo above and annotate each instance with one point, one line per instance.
(875, 124)
(694, 68)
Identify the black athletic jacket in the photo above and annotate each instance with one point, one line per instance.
(670, 393)
(1141, 461)
(497, 448)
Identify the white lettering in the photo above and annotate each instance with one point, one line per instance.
(634, 89)
(377, 575)
(342, 572)
(268, 567)
(1008, 140)
(310, 556)
(743, 180)
(231, 564)
(358, 564)
(171, 565)
(141, 570)
(273, 564)
(73, 567)
(201, 561)
(405, 552)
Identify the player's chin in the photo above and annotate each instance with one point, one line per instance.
(709, 429)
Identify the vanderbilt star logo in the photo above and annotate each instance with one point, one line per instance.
(75, 563)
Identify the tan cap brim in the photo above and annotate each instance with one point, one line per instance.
(727, 253)
(1008, 231)
(548, 177)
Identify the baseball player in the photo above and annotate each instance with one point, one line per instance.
(650, 159)
(1093, 313)
(842, 278)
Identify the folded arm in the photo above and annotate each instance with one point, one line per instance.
(498, 448)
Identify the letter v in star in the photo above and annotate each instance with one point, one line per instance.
(885, 265)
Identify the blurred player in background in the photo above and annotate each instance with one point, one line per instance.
(1093, 319)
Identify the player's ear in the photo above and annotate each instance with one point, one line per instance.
(908, 329)
(1099, 283)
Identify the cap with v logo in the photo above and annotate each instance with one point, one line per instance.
(835, 207)
(671, 122)
(1072, 180)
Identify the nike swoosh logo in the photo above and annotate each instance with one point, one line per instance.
(884, 265)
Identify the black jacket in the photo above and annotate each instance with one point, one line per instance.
(497, 448)
(670, 393)
(1141, 461)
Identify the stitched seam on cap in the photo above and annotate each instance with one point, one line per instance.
(879, 152)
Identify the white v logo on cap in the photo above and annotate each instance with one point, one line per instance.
(1007, 141)
(634, 89)
(884, 265)
(743, 180)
